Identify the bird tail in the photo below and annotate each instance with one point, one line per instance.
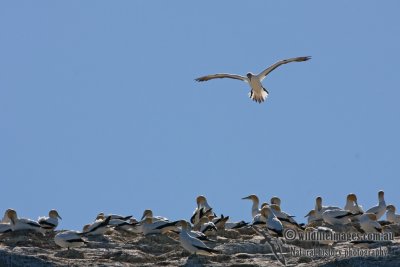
(257, 97)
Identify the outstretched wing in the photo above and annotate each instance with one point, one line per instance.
(221, 75)
(262, 75)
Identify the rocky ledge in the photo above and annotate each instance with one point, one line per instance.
(243, 247)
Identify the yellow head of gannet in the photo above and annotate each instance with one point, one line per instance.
(200, 200)
(275, 207)
(264, 204)
(54, 214)
(276, 201)
(147, 213)
(391, 208)
(254, 198)
(12, 215)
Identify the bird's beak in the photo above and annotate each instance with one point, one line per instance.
(59, 217)
(12, 220)
(308, 214)
(246, 197)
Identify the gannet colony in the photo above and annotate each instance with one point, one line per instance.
(272, 237)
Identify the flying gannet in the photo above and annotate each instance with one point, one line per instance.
(391, 215)
(192, 244)
(51, 222)
(18, 224)
(380, 209)
(258, 93)
(69, 239)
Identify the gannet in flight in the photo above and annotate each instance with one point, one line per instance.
(391, 215)
(380, 209)
(51, 222)
(69, 239)
(192, 244)
(258, 93)
(18, 224)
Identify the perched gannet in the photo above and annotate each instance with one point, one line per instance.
(5, 227)
(275, 201)
(119, 223)
(254, 208)
(352, 204)
(98, 227)
(340, 216)
(320, 233)
(115, 216)
(219, 222)
(369, 224)
(283, 216)
(205, 225)
(320, 209)
(203, 209)
(149, 214)
(69, 239)
(5, 217)
(258, 93)
(192, 244)
(148, 226)
(379, 209)
(391, 215)
(18, 224)
(312, 217)
(224, 223)
(51, 222)
(273, 224)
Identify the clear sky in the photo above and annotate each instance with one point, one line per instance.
(99, 110)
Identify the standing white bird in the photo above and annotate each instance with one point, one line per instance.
(5, 217)
(258, 93)
(192, 244)
(352, 204)
(51, 222)
(18, 224)
(254, 208)
(203, 209)
(69, 239)
(149, 214)
(98, 227)
(319, 209)
(340, 217)
(273, 224)
(380, 209)
(276, 201)
(369, 224)
(391, 215)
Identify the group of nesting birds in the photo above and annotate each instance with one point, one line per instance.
(204, 222)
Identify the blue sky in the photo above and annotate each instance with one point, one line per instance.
(99, 110)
